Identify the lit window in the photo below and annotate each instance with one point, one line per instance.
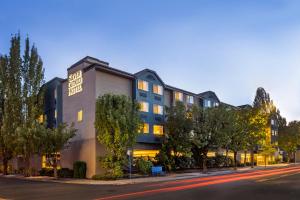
(157, 89)
(157, 109)
(158, 130)
(79, 115)
(178, 96)
(41, 119)
(145, 128)
(55, 114)
(47, 159)
(144, 106)
(142, 85)
(190, 99)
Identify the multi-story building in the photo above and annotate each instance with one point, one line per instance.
(73, 100)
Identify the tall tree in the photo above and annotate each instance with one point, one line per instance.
(12, 106)
(262, 99)
(232, 132)
(117, 125)
(178, 131)
(207, 124)
(30, 134)
(255, 129)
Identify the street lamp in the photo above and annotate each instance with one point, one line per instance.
(129, 153)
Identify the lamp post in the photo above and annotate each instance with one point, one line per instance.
(129, 153)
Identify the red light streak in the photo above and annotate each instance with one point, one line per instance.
(214, 181)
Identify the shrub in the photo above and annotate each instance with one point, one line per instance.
(144, 166)
(46, 172)
(79, 168)
(65, 173)
(185, 162)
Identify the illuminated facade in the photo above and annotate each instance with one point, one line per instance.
(75, 98)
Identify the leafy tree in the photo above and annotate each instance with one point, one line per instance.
(12, 101)
(55, 140)
(207, 124)
(289, 138)
(117, 125)
(266, 150)
(178, 128)
(232, 132)
(30, 134)
(255, 129)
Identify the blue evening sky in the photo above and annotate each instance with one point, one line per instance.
(230, 47)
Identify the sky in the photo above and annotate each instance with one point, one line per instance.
(231, 47)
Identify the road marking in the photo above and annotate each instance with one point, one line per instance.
(201, 179)
(278, 177)
(195, 185)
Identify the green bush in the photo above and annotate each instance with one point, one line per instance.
(144, 166)
(79, 168)
(65, 173)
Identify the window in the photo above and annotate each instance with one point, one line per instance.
(157, 109)
(142, 85)
(79, 115)
(190, 99)
(178, 96)
(207, 103)
(144, 106)
(145, 128)
(157, 89)
(158, 130)
(55, 114)
(272, 122)
(216, 104)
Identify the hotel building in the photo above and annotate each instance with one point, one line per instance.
(73, 100)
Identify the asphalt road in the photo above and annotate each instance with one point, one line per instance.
(276, 184)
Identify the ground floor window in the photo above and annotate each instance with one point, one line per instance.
(47, 160)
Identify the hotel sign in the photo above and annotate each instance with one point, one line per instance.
(75, 83)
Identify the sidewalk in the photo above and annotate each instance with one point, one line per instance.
(168, 177)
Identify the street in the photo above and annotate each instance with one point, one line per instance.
(275, 184)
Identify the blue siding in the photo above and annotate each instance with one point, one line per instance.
(151, 98)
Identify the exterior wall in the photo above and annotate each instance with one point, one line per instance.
(83, 145)
(168, 98)
(151, 98)
(108, 83)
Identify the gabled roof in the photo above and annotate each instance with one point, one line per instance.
(89, 60)
(228, 105)
(208, 94)
(245, 106)
(181, 90)
(110, 70)
(151, 71)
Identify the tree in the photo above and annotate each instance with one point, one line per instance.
(255, 129)
(117, 124)
(232, 132)
(55, 140)
(289, 138)
(207, 124)
(31, 131)
(262, 99)
(178, 128)
(12, 101)
(266, 150)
